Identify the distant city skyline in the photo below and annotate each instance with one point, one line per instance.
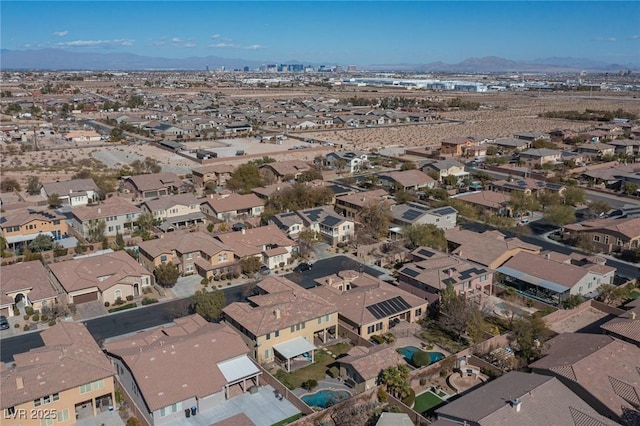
(332, 32)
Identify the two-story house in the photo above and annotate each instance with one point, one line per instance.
(536, 158)
(288, 222)
(192, 252)
(350, 205)
(331, 226)
(229, 207)
(419, 214)
(457, 146)
(216, 173)
(20, 227)
(283, 323)
(175, 211)
(152, 185)
(118, 215)
(191, 365)
(268, 243)
(609, 234)
(349, 161)
(76, 192)
(283, 170)
(105, 277)
(67, 380)
(407, 180)
(444, 168)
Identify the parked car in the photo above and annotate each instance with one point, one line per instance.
(4, 324)
(302, 267)
(264, 270)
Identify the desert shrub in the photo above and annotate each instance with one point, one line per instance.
(26, 317)
(281, 264)
(129, 298)
(204, 282)
(409, 399)
(423, 381)
(149, 301)
(118, 301)
(216, 278)
(378, 339)
(107, 304)
(334, 372)
(72, 308)
(44, 318)
(236, 275)
(310, 384)
(420, 359)
(382, 395)
(36, 317)
(26, 327)
(229, 283)
(52, 323)
(16, 325)
(28, 310)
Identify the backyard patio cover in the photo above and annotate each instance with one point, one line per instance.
(238, 368)
(294, 347)
(539, 282)
(28, 237)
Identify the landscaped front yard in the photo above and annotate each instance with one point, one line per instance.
(316, 371)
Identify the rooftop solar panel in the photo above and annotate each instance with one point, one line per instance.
(411, 214)
(410, 272)
(287, 214)
(444, 211)
(388, 307)
(425, 252)
(464, 275)
(331, 220)
(314, 215)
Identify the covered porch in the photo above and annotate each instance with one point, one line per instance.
(297, 349)
(240, 372)
(536, 288)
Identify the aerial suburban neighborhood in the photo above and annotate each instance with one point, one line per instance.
(318, 245)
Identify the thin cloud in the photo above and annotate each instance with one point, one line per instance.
(61, 33)
(96, 43)
(224, 46)
(229, 44)
(254, 47)
(215, 36)
(635, 37)
(606, 39)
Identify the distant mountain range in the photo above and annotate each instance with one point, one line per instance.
(59, 59)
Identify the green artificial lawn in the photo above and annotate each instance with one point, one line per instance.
(426, 401)
(634, 294)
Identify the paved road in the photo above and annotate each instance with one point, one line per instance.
(324, 267)
(119, 323)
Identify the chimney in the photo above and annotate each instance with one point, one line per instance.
(632, 315)
(19, 382)
(277, 313)
(547, 256)
(517, 404)
(99, 210)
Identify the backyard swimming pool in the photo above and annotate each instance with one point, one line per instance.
(325, 398)
(408, 351)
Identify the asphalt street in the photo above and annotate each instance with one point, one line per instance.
(330, 266)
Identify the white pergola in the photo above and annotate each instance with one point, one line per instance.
(293, 348)
(238, 370)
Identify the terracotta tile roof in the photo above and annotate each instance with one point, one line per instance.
(24, 216)
(69, 358)
(544, 401)
(149, 182)
(251, 242)
(606, 368)
(365, 291)
(233, 202)
(362, 198)
(490, 199)
(114, 206)
(70, 186)
(485, 248)
(293, 303)
(626, 325)
(369, 362)
(177, 362)
(629, 227)
(28, 275)
(409, 177)
(103, 271)
(215, 169)
(183, 243)
(269, 190)
(291, 167)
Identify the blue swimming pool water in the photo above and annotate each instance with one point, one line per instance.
(408, 351)
(325, 398)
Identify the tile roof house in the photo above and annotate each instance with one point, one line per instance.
(289, 223)
(608, 234)
(76, 192)
(354, 160)
(538, 157)
(192, 252)
(511, 144)
(444, 168)
(367, 305)
(118, 214)
(494, 202)
(266, 192)
(286, 169)
(175, 211)
(595, 149)
(626, 326)
(283, 321)
(82, 136)
(26, 283)
(268, 243)
(521, 399)
(20, 227)
(191, 363)
(415, 213)
(228, 207)
(407, 180)
(67, 380)
(528, 186)
(456, 146)
(153, 185)
(105, 277)
(332, 227)
(350, 205)
(554, 277)
(217, 173)
(432, 271)
(489, 248)
(604, 371)
(362, 366)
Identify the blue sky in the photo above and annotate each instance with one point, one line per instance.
(340, 32)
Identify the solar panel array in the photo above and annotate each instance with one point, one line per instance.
(444, 211)
(331, 221)
(464, 275)
(287, 214)
(412, 214)
(314, 215)
(426, 253)
(410, 272)
(388, 307)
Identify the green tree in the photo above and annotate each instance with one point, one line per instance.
(167, 274)
(402, 197)
(209, 304)
(522, 203)
(339, 166)
(133, 421)
(598, 207)
(529, 332)
(244, 178)
(96, 230)
(119, 240)
(408, 165)
(450, 180)
(396, 380)
(549, 198)
(309, 175)
(574, 196)
(42, 242)
(9, 185)
(145, 221)
(630, 188)
(54, 201)
(425, 235)
(375, 218)
(33, 185)
(250, 265)
(560, 215)
(116, 135)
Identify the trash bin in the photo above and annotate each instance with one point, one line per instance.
(193, 411)
(187, 413)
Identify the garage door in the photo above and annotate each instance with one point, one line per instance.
(88, 297)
